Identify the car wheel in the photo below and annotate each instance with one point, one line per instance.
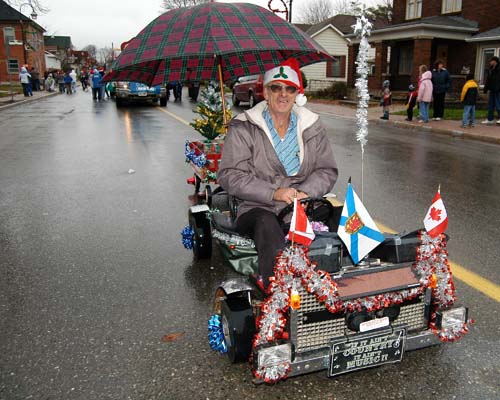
(202, 239)
(163, 101)
(251, 100)
(238, 325)
(236, 102)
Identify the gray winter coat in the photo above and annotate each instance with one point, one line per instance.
(251, 171)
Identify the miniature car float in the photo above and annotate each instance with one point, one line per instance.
(321, 312)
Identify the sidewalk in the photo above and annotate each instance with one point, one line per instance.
(484, 133)
(5, 102)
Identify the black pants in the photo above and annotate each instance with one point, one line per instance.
(263, 227)
(438, 99)
(409, 113)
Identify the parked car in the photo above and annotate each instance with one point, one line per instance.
(136, 92)
(248, 89)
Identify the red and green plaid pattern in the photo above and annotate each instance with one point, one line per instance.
(184, 44)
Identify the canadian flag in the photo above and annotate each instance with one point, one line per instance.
(300, 228)
(436, 219)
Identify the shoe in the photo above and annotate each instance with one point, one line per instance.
(498, 121)
(383, 117)
(471, 125)
(487, 122)
(257, 279)
(422, 121)
(406, 119)
(436, 119)
(463, 126)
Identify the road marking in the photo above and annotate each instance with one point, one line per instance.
(181, 120)
(468, 277)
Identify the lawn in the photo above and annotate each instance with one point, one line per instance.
(5, 89)
(449, 113)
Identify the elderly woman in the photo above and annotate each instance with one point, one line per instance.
(50, 83)
(273, 152)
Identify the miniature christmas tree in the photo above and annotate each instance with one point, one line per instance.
(211, 121)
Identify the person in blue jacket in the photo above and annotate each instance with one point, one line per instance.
(96, 78)
(441, 83)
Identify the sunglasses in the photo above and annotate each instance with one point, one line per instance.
(279, 88)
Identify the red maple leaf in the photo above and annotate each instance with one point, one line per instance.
(435, 214)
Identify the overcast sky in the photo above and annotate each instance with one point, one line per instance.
(102, 22)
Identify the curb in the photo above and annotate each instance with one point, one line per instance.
(456, 133)
(25, 101)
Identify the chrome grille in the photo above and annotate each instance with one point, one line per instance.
(317, 335)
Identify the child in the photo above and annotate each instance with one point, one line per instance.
(469, 97)
(411, 100)
(385, 100)
(424, 93)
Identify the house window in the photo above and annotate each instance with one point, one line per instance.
(405, 60)
(13, 66)
(485, 64)
(450, 6)
(336, 68)
(413, 9)
(8, 34)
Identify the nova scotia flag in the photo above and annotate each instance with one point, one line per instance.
(356, 228)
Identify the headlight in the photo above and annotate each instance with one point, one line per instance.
(453, 318)
(274, 355)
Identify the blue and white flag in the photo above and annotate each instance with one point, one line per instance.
(356, 228)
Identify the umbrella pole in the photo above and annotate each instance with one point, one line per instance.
(221, 83)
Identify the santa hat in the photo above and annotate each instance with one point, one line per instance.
(289, 73)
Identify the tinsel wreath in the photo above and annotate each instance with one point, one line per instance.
(433, 267)
(191, 156)
(211, 121)
(187, 237)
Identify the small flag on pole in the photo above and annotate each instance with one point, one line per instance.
(300, 228)
(356, 228)
(436, 219)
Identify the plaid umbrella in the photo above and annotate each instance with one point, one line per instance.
(210, 41)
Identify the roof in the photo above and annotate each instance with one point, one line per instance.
(8, 13)
(61, 42)
(343, 23)
(492, 34)
(438, 21)
(303, 27)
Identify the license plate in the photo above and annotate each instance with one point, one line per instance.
(142, 94)
(367, 350)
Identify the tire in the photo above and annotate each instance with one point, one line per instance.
(163, 101)
(236, 102)
(202, 241)
(251, 100)
(238, 324)
(119, 102)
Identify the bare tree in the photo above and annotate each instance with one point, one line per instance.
(92, 49)
(36, 5)
(171, 4)
(315, 11)
(342, 7)
(382, 10)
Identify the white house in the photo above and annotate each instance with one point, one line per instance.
(331, 34)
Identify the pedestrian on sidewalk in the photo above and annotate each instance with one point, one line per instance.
(24, 77)
(68, 81)
(73, 80)
(60, 80)
(411, 101)
(441, 83)
(35, 79)
(84, 79)
(386, 99)
(469, 97)
(492, 85)
(49, 83)
(424, 97)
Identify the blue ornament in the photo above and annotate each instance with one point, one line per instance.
(191, 156)
(216, 335)
(188, 237)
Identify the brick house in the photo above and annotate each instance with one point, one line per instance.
(21, 42)
(422, 31)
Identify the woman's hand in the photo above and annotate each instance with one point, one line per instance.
(288, 194)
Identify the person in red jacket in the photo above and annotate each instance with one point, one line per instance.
(411, 101)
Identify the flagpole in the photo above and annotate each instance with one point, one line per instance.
(294, 199)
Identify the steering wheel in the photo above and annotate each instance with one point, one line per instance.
(317, 209)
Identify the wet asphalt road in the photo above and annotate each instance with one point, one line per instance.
(93, 274)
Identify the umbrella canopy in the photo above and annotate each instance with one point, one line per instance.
(193, 42)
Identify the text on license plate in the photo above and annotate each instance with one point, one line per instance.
(367, 350)
(143, 94)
